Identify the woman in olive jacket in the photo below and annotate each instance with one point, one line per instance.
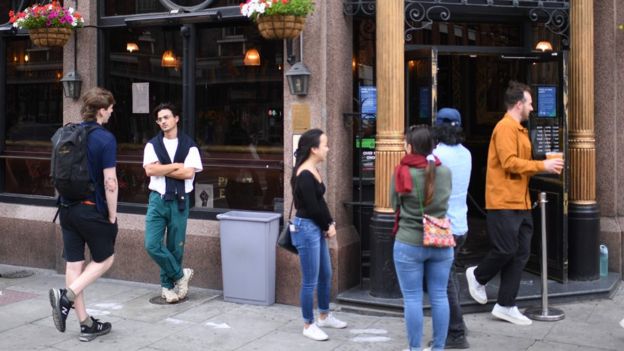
(421, 183)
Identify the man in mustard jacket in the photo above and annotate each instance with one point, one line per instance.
(509, 221)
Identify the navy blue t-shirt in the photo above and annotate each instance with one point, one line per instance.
(102, 154)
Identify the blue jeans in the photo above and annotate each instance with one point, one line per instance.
(411, 263)
(316, 269)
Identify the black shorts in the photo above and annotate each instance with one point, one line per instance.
(82, 224)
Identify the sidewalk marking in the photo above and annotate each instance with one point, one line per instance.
(109, 306)
(218, 325)
(368, 331)
(94, 312)
(176, 321)
(369, 335)
(364, 338)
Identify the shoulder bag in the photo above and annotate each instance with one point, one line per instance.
(284, 240)
(436, 231)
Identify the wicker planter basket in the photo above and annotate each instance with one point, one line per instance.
(50, 36)
(280, 27)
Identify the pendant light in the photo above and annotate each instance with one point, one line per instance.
(252, 58)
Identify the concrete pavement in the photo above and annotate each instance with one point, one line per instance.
(206, 322)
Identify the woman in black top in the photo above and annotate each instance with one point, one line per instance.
(313, 224)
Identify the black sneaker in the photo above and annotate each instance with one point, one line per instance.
(60, 307)
(97, 328)
(454, 342)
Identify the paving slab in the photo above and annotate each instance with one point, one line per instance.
(206, 322)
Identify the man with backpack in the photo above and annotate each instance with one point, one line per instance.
(88, 207)
(171, 160)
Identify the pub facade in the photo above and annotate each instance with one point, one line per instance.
(375, 68)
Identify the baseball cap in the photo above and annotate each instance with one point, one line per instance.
(448, 115)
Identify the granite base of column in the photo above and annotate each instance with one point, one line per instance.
(583, 242)
(383, 278)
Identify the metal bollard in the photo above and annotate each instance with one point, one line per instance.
(544, 313)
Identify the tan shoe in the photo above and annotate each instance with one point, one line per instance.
(169, 295)
(182, 285)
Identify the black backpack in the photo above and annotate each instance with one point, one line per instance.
(69, 168)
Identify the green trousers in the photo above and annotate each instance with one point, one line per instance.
(165, 233)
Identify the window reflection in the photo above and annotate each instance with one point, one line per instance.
(33, 113)
(238, 120)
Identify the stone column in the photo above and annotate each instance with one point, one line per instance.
(390, 67)
(584, 220)
(86, 56)
(327, 53)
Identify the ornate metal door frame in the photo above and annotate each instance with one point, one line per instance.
(420, 14)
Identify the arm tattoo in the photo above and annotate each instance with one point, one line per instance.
(110, 184)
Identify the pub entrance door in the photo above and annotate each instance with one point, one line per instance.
(473, 80)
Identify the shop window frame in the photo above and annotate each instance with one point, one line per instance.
(230, 16)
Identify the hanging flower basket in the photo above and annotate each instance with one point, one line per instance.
(280, 27)
(50, 36)
(49, 24)
(278, 19)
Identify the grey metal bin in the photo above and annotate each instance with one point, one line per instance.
(248, 256)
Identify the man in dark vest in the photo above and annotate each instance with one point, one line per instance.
(171, 160)
(91, 221)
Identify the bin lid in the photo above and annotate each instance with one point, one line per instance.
(249, 216)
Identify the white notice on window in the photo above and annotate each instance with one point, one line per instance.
(140, 97)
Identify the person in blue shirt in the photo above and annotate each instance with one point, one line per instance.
(449, 136)
(92, 221)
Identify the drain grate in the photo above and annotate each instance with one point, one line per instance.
(17, 274)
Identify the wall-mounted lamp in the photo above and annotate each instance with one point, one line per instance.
(132, 47)
(298, 77)
(26, 58)
(71, 81)
(252, 58)
(71, 85)
(169, 60)
(543, 46)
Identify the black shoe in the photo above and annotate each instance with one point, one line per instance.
(97, 328)
(60, 307)
(454, 342)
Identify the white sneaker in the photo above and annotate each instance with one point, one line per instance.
(169, 295)
(510, 314)
(331, 322)
(477, 291)
(315, 333)
(182, 284)
(622, 323)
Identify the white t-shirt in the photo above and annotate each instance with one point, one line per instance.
(192, 160)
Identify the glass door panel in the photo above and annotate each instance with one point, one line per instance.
(421, 90)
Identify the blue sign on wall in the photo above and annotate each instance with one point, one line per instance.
(547, 101)
(368, 99)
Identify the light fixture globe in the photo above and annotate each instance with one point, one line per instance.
(169, 60)
(543, 46)
(71, 85)
(132, 47)
(298, 77)
(252, 58)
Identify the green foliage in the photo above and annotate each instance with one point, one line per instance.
(291, 7)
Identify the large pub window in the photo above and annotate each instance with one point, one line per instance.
(238, 119)
(32, 112)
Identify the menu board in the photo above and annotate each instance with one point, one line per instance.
(546, 101)
(546, 139)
